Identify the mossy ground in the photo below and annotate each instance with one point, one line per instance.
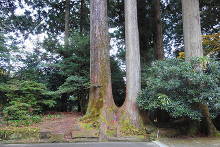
(120, 127)
(15, 133)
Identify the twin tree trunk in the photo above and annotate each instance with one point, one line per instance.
(193, 47)
(100, 95)
(101, 100)
(101, 103)
(133, 69)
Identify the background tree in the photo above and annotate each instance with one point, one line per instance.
(191, 23)
(172, 22)
(158, 39)
(193, 48)
(67, 22)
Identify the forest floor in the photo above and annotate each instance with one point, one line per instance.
(56, 127)
(66, 127)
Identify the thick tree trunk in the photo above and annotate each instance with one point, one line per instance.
(67, 23)
(159, 51)
(192, 28)
(100, 99)
(193, 47)
(133, 84)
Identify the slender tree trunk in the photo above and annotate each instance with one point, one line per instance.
(100, 98)
(193, 47)
(132, 62)
(143, 31)
(81, 15)
(159, 51)
(67, 23)
(66, 44)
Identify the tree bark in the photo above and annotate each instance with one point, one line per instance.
(193, 48)
(67, 23)
(101, 100)
(210, 127)
(192, 28)
(133, 84)
(159, 51)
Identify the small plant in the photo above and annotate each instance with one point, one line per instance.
(36, 118)
(52, 116)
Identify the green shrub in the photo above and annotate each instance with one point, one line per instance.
(17, 111)
(177, 87)
(25, 98)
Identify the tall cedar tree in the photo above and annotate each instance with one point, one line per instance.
(100, 95)
(101, 103)
(193, 48)
(133, 68)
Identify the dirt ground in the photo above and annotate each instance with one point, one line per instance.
(57, 127)
(62, 125)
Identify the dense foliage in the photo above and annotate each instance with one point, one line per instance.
(24, 98)
(178, 87)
